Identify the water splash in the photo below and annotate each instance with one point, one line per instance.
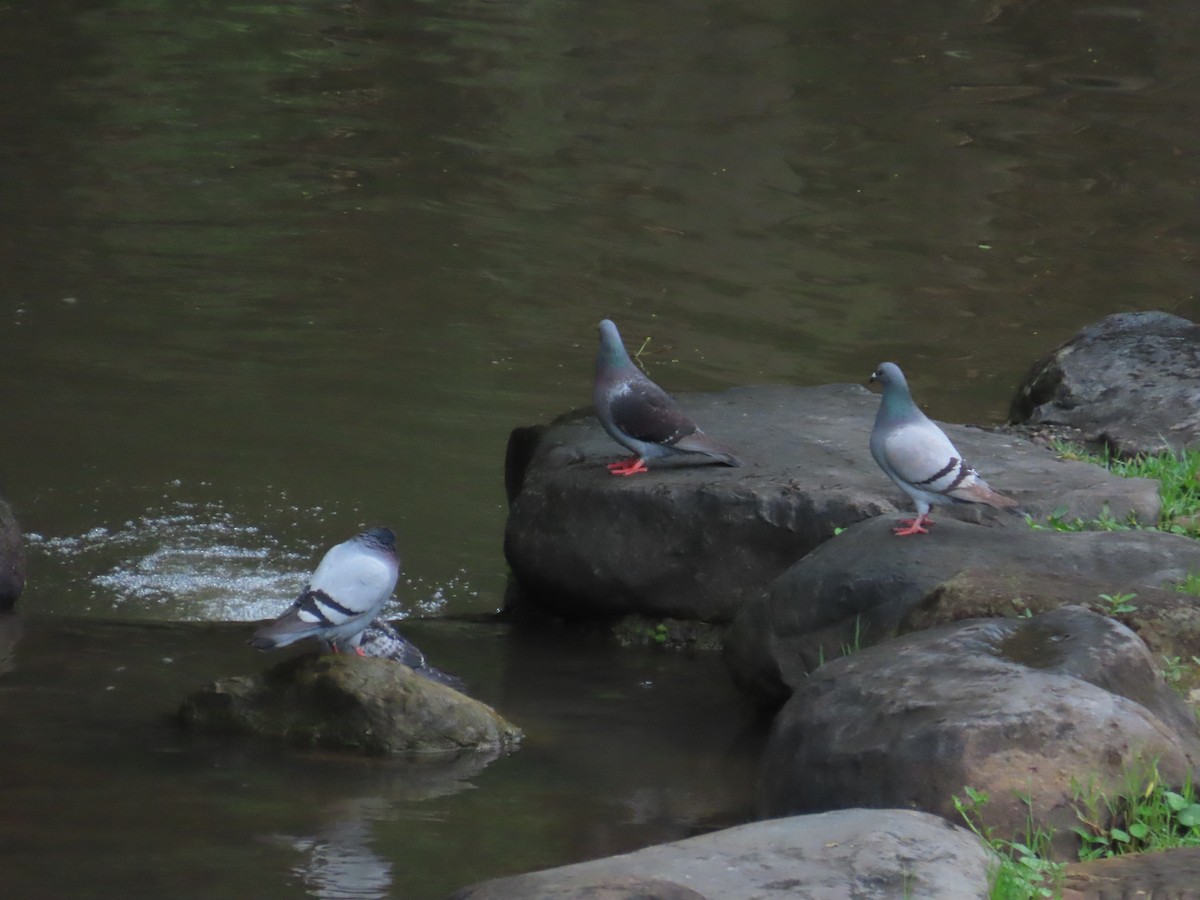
(187, 561)
(200, 561)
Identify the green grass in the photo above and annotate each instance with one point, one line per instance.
(1190, 585)
(1178, 476)
(1144, 815)
(1023, 869)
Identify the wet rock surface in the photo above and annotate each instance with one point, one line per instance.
(853, 853)
(347, 702)
(1020, 708)
(696, 542)
(1130, 381)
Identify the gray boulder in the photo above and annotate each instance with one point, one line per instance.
(348, 702)
(696, 542)
(1166, 620)
(1020, 708)
(1130, 381)
(853, 854)
(858, 588)
(12, 557)
(1165, 873)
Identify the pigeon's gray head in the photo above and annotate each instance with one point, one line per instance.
(612, 349)
(889, 375)
(383, 538)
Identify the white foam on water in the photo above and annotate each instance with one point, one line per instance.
(188, 561)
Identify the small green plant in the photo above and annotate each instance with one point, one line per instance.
(1116, 604)
(1143, 815)
(1023, 871)
(1023, 609)
(659, 633)
(1175, 668)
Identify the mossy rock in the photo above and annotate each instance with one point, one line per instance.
(346, 702)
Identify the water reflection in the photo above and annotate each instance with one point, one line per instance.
(342, 858)
(12, 628)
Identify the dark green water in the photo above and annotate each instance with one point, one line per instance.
(273, 272)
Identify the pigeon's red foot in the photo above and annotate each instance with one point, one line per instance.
(912, 526)
(630, 466)
(359, 651)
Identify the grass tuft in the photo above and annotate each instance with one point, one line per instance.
(1023, 870)
(1178, 476)
(1144, 815)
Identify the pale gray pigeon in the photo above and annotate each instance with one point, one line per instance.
(641, 416)
(916, 454)
(346, 592)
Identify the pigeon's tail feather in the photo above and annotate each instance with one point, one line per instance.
(728, 458)
(699, 442)
(981, 493)
(282, 632)
(259, 642)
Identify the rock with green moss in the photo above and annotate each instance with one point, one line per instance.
(346, 702)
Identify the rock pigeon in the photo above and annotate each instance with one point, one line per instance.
(383, 641)
(916, 454)
(641, 416)
(344, 595)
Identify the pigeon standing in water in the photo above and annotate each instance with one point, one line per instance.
(346, 592)
(641, 416)
(916, 454)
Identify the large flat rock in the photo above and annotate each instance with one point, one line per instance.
(696, 541)
(853, 854)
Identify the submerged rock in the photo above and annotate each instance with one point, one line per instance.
(12, 557)
(855, 853)
(1130, 382)
(696, 542)
(1023, 709)
(348, 702)
(858, 588)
